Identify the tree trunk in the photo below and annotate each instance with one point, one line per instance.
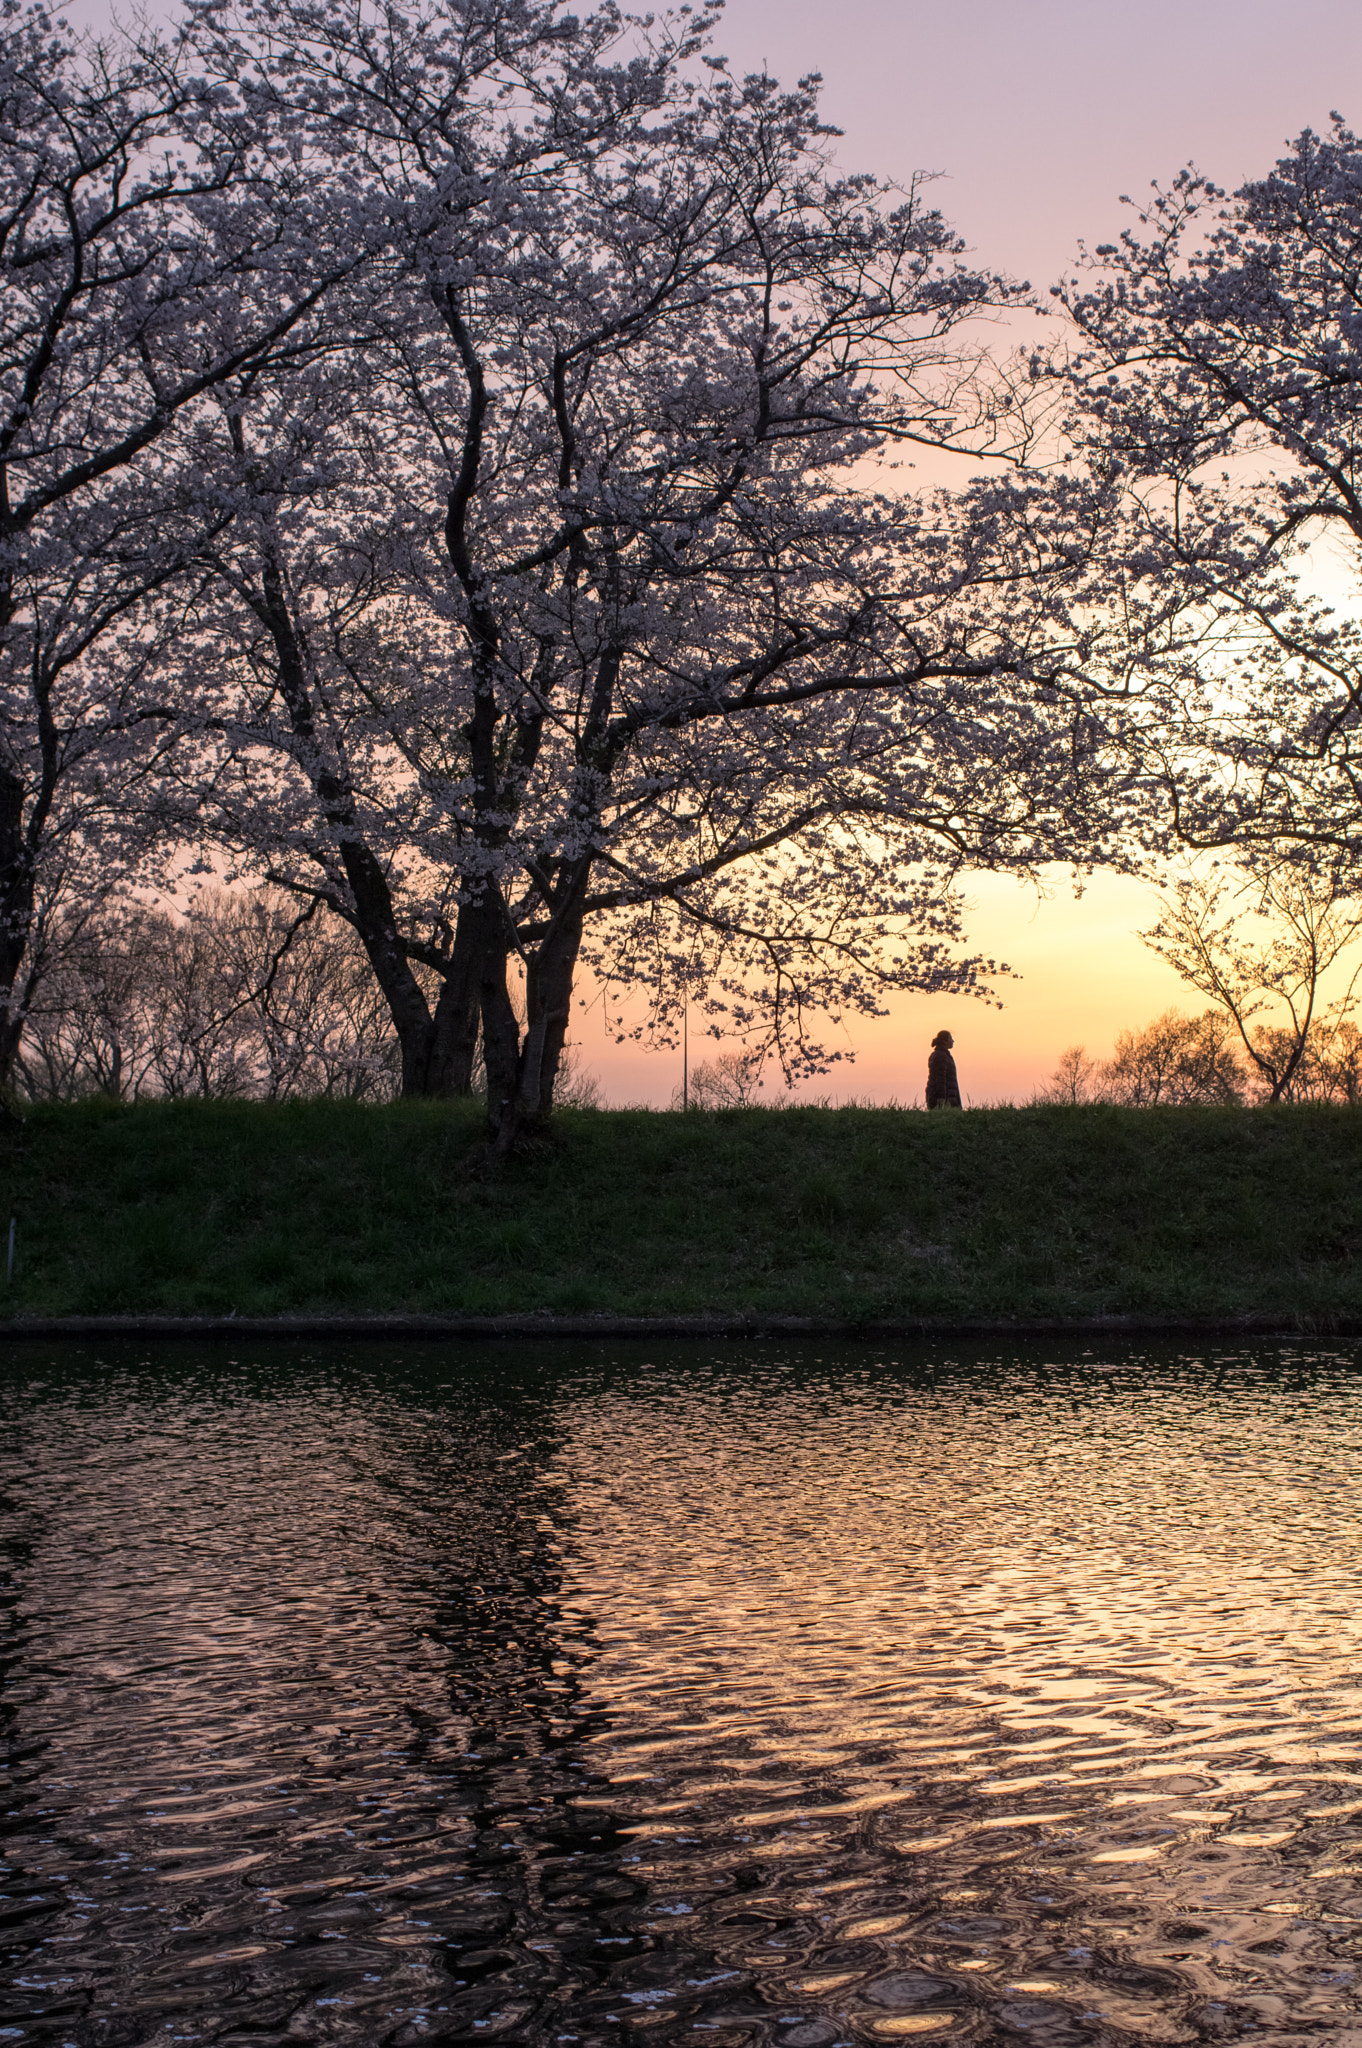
(549, 1006)
(438, 1050)
(377, 928)
(16, 917)
(454, 1045)
(520, 1099)
(11, 1033)
(501, 1055)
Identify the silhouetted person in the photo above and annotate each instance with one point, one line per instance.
(943, 1089)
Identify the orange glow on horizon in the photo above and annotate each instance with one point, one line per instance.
(1080, 975)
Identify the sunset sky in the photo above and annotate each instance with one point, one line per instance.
(1039, 120)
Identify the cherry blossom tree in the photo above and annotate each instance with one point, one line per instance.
(572, 620)
(1217, 400)
(154, 242)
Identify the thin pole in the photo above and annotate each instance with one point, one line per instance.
(9, 1261)
(685, 1054)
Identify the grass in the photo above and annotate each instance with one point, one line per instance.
(854, 1214)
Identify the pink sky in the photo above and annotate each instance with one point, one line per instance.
(1040, 118)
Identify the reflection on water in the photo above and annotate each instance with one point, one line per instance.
(570, 1696)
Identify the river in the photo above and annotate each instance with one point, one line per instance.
(583, 1694)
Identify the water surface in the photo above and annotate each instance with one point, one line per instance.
(573, 1695)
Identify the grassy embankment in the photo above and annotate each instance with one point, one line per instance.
(203, 1208)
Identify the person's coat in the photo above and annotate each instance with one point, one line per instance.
(943, 1089)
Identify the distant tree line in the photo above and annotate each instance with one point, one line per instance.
(1176, 1060)
(245, 997)
(1180, 1059)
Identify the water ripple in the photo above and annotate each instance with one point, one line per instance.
(565, 1697)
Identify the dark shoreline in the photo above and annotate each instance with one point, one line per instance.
(755, 1328)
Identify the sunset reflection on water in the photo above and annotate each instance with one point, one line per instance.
(800, 1696)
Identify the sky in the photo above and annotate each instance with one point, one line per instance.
(1038, 120)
